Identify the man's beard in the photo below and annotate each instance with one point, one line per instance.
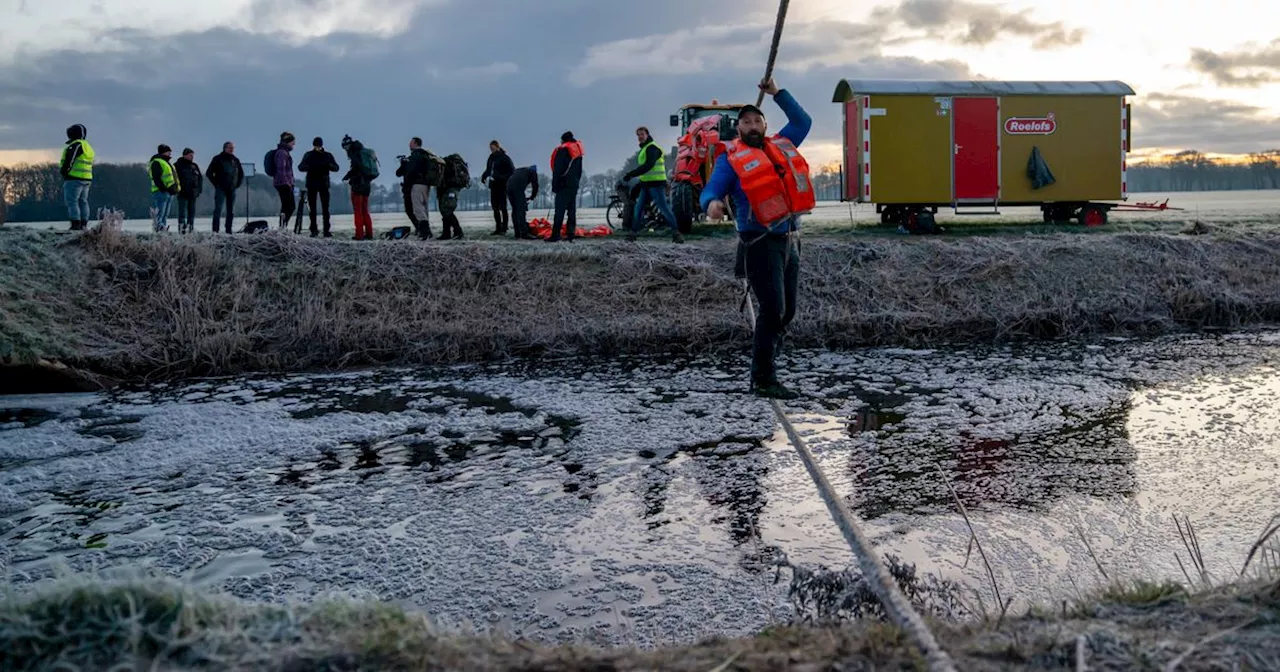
(753, 139)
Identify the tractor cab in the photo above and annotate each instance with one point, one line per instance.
(691, 113)
(695, 153)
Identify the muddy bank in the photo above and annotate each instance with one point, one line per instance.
(162, 625)
(118, 306)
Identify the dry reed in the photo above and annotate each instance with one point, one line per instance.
(147, 307)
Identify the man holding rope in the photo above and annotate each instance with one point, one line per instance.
(770, 186)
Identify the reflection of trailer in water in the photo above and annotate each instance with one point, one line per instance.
(911, 147)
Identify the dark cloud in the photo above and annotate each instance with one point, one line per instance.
(1181, 121)
(447, 76)
(974, 23)
(1240, 68)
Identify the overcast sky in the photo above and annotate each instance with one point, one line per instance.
(460, 72)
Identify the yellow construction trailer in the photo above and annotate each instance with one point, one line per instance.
(912, 146)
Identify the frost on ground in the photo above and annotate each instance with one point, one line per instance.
(643, 500)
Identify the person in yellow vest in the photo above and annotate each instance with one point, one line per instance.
(651, 168)
(164, 186)
(77, 176)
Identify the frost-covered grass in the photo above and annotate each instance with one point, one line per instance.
(146, 307)
(80, 623)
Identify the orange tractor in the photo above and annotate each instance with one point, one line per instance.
(702, 130)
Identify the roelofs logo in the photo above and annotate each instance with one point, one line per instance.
(1045, 125)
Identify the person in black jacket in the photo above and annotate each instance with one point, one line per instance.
(520, 180)
(420, 170)
(566, 176)
(192, 182)
(226, 175)
(317, 164)
(496, 172)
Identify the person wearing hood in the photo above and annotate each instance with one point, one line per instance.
(769, 182)
(77, 176)
(496, 172)
(317, 164)
(361, 187)
(566, 177)
(282, 177)
(164, 186)
(226, 175)
(190, 184)
(521, 179)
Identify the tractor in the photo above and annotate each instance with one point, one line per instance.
(702, 129)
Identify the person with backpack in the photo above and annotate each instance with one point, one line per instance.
(76, 169)
(364, 170)
(520, 180)
(278, 163)
(190, 184)
(421, 170)
(164, 186)
(457, 176)
(566, 176)
(316, 165)
(496, 172)
(226, 175)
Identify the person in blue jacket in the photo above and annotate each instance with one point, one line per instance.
(771, 254)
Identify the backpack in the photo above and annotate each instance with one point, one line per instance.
(256, 226)
(269, 163)
(456, 173)
(369, 163)
(397, 233)
(435, 170)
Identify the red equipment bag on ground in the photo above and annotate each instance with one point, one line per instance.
(541, 227)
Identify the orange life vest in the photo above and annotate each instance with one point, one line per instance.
(774, 178)
(574, 147)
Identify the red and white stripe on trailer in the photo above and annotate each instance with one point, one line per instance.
(1124, 149)
(866, 148)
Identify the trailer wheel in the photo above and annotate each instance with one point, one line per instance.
(893, 215)
(1093, 215)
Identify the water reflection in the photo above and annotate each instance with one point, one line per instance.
(895, 470)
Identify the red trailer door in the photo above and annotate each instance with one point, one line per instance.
(976, 134)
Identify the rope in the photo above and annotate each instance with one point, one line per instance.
(895, 603)
(773, 48)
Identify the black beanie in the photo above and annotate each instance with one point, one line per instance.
(317, 142)
(77, 132)
(567, 137)
(163, 148)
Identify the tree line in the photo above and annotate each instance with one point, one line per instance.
(1191, 170)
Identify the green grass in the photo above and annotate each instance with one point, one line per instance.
(155, 623)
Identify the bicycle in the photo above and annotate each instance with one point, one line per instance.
(622, 204)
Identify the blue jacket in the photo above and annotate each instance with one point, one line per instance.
(725, 182)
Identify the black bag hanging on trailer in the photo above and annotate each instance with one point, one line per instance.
(1038, 171)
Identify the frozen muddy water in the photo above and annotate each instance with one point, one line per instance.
(638, 500)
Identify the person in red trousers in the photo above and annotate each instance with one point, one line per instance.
(361, 186)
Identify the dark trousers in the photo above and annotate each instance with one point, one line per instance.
(566, 204)
(323, 194)
(773, 270)
(286, 203)
(519, 212)
(498, 201)
(221, 198)
(186, 212)
(406, 190)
